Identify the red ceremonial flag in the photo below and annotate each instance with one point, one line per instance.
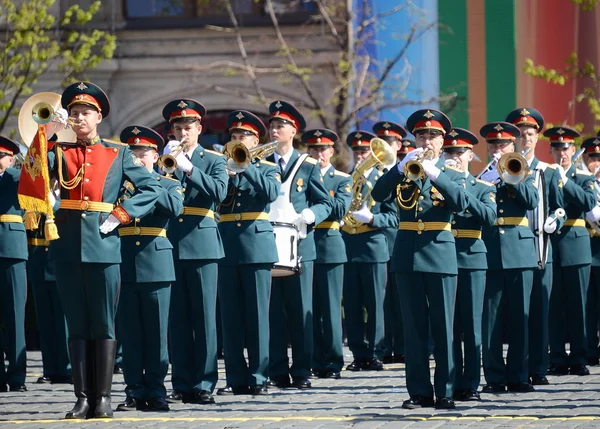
(34, 184)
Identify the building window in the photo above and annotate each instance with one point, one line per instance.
(212, 8)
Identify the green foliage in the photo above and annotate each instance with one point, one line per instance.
(574, 69)
(35, 40)
(586, 5)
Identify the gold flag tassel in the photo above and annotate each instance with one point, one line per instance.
(32, 220)
(50, 230)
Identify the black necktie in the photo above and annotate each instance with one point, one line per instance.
(281, 165)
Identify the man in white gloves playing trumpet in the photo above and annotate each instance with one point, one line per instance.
(291, 297)
(196, 248)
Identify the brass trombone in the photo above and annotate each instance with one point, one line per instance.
(239, 156)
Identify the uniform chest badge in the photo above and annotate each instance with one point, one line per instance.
(332, 193)
(436, 195)
(299, 184)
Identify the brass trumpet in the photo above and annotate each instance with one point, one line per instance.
(513, 168)
(167, 163)
(239, 156)
(413, 169)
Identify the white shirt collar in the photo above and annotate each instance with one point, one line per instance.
(368, 172)
(286, 157)
(324, 170)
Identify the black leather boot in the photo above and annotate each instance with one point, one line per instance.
(104, 367)
(79, 364)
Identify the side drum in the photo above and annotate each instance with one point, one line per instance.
(287, 237)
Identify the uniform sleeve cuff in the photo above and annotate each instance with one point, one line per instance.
(120, 213)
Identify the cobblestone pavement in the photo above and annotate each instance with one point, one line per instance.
(359, 400)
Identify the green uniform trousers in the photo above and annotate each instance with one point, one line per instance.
(52, 327)
(538, 321)
(143, 317)
(364, 286)
(393, 340)
(592, 312)
(467, 327)
(427, 299)
(13, 295)
(328, 354)
(192, 326)
(567, 305)
(507, 296)
(89, 293)
(244, 305)
(290, 312)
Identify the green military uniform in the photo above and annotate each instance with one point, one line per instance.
(511, 261)
(49, 312)
(393, 339)
(593, 297)
(13, 278)
(472, 266)
(542, 277)
(542, 283)
(571, 268)
(192, 316)
(147, 272)
(593, 301)
(290, 311)
(291, 297)
(366, 271)
(90, 175)
(245, 271)
(425, 265)
(328, 353)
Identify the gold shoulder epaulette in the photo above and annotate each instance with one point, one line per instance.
(583, 172)
(213, 152)
(265, 162)
(115, 142)
(552, 166)
(129, 186)
(454, 168)
(170, 178)
(311, 160)
(341, 173)
(484, 182)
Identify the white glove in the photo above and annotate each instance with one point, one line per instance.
(109, 224)
(563, 175)
(363, 215)
(183, 164)
(550, 224)
(51, 198)
(593, 215)
(302, 226)
(308, 216)
(490, 176)
(408, 157)
(430, 169)
(61, 115)
(169, 146)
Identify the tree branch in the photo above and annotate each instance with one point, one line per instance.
(330, 24)
(249, 67)
(226, 64)
(308, 90)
